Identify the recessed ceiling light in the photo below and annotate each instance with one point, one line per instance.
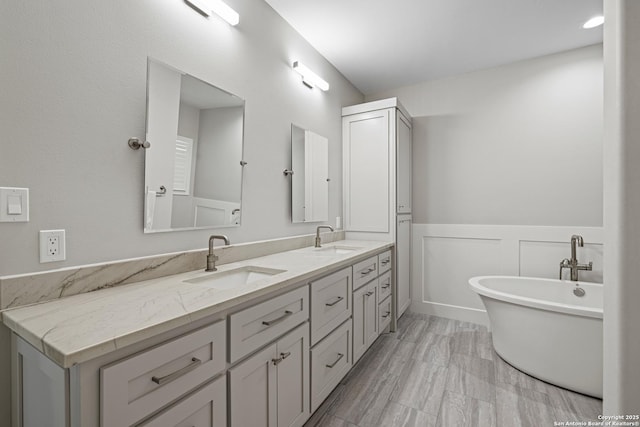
(593, 22)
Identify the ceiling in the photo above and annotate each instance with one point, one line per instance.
(385, 44)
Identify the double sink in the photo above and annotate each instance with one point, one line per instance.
(248, 274)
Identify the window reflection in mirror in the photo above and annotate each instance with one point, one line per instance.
(193, 171)
(310, 179)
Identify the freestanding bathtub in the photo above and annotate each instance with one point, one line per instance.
(542, 328)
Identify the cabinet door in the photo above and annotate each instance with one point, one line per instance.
(403, 263)
(252, 390)
(206, 407)
(371, 313)
(365, 318)
(366, 138)
(292, 365)
(403, 169)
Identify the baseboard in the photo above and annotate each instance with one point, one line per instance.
(463, 314)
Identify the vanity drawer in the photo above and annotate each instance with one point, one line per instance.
(256, 326)
(384, 314)
(330, 303)
(135, 387)
(384, 286)
(206, 407)
(384, 261)
(331, 359)
(364, 271)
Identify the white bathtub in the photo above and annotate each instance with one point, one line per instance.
(540, 327)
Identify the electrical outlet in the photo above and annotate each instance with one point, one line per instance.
(52, 246)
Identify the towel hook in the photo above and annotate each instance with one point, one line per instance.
(135, 143)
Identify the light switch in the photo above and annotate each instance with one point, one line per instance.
(14, 204)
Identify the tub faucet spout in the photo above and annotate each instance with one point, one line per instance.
(572, 264)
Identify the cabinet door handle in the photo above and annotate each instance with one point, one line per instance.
(365, 272)
(277, 320)
(195, 362)
(369, 293)
(331, 304)
(385, 262)
(384, 316)
(386, 285)
(281, 358)
(340, 356)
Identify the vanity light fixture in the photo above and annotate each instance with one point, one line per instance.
(596, 21)
(200, 5)
(220, 8)
(309, 78)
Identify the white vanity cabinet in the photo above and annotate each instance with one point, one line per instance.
(270, 360)
(377, 156)
(271, 387)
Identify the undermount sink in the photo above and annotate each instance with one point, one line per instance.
(334, 250)
(233, 278)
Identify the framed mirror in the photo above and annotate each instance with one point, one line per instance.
(193, 167)
(309, 176)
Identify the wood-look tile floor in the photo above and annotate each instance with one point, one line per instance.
(441, 372)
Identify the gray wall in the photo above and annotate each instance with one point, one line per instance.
(73, 90)
(517, 144)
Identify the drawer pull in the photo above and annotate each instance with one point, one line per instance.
(384, 316)
(340, 356)
(369, 293)
(386, 285)
(365, 272)
(385, 261)
(281, 358)
(278, 320)
(331, 304)
(195, 362)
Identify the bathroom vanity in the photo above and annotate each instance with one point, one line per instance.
(260, 342)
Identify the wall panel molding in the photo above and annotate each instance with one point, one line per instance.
(445, 256)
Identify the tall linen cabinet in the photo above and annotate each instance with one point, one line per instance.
(376, 138)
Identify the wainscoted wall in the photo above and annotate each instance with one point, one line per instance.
(445, 256)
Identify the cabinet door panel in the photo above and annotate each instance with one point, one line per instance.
(256, 326)
(371, 313)
(330, 303)
(403, 263)
(206, 407)
(293, 377)
(365, 318)
(253, 390)
(366, 171)
(331, 359)
(403, 179)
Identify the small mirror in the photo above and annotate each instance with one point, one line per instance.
(193, 168)
(310, 176)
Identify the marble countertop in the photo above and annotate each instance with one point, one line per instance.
(81, 327)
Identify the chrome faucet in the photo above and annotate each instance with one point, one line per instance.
(211, 258)
(318, 241)
(573, 263)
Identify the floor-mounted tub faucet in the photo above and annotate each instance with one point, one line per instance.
(317, 245)
(211, 258)
(573, 263)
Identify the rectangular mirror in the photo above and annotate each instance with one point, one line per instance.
(193, 167)
(310, 176)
